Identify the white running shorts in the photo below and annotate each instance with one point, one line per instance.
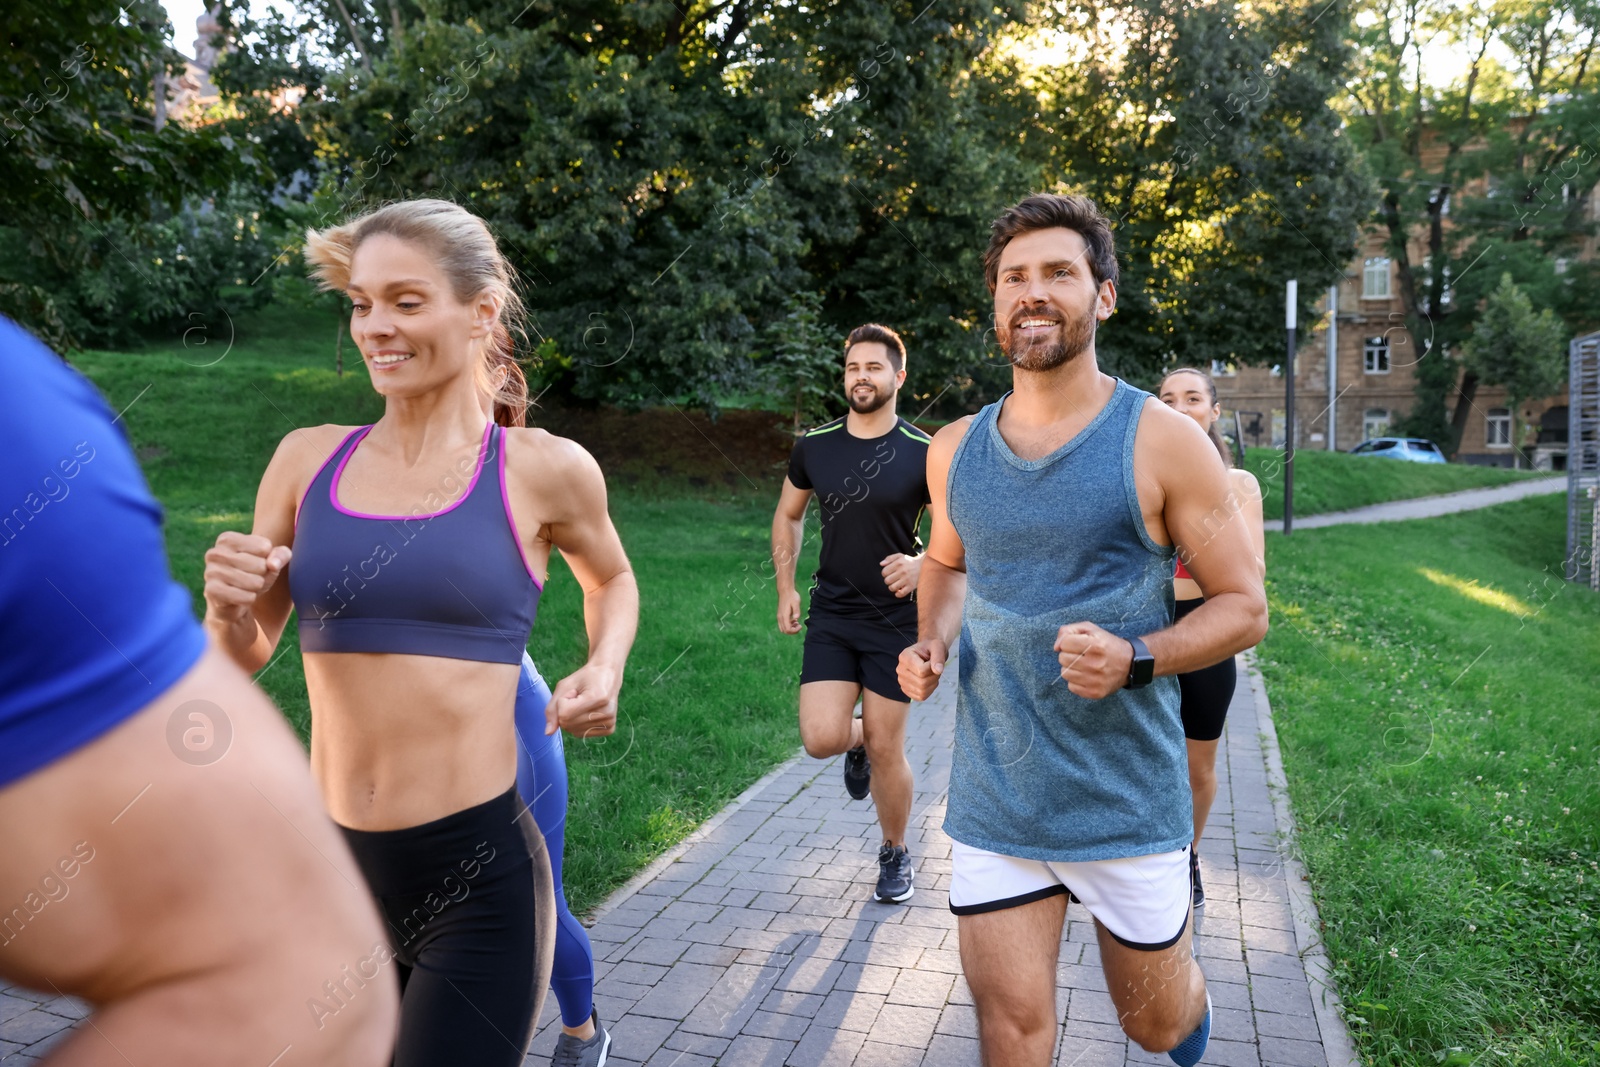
(1143, 901)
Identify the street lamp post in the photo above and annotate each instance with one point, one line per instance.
(1288, 412)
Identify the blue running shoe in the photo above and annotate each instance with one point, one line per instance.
(1194, 1046)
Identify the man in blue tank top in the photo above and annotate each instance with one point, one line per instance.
(1056, 513)
(868, 471)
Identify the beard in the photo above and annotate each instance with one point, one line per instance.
(872, 403)
(1075, 335)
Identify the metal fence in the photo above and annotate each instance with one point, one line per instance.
(1583, 461)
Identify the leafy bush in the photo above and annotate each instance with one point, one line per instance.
(114, 282)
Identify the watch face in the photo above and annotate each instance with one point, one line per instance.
(1143, 668)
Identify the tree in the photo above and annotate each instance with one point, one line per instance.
(1513, 347)
(1205, 132)
(804, 367)
(1482, 175)
(78, 141)
(672, 172)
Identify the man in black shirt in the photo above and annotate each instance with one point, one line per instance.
(868, 472)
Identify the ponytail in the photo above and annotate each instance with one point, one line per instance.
(509, 386)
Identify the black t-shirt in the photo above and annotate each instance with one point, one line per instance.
(871, 492)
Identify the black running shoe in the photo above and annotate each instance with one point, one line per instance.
(1194, 879)
(575, 1052)
(857, 773)
(894, 875)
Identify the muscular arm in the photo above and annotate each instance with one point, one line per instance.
(249, 634)
(788, 532)
(580, 526)
(583, 532)
(943, 585)
(1203, 516)
(1247, 491)
(1184, 492)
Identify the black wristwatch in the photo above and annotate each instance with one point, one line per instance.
(1143, 668)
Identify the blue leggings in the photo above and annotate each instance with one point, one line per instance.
(542, 783)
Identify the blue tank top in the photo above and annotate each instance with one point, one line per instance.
(92, 626)
(450, 582)
(1039, 772)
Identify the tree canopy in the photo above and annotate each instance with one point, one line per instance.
(1493, 166)
(667, 176)
(676, 172)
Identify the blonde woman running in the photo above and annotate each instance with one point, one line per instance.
(415, 551)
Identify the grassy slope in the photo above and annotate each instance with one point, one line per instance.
(1435, 684)
(708, 704)
(1334, 481)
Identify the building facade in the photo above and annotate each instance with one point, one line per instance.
(1355, 373)
(1373, 382)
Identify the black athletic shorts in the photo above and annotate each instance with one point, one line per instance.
(1206, 692)
(469, 906)
(843, 648)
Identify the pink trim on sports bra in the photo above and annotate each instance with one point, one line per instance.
(320, 468)
(333, 483)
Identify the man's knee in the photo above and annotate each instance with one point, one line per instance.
(1006, 1021)
(1152, 1033)
(1156, 1023)
(822, 741)
(883, 746)
(1202, 778)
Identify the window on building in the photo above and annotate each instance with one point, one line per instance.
(1221, 368)
(1497, 428)
(1375, 355)
(1375, 279)
(1374, 422)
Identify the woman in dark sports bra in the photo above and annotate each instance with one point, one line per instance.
(415, 551)
(1208, 691)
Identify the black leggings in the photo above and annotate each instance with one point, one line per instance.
(468, 903)
(1206, 692)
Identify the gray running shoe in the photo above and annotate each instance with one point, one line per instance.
(894, 875)
(857, 773)
(573, 1052)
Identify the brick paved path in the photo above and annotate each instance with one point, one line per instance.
(756, 943)
(759, 945)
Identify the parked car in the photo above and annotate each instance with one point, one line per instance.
(1414, 449)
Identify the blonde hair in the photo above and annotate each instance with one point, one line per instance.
(461, 244)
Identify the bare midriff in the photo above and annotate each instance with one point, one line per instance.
(401, 740)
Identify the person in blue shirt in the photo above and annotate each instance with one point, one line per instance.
(167, 855)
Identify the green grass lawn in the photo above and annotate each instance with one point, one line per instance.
(1336, 481)
(1436, 688)
(708, 704)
